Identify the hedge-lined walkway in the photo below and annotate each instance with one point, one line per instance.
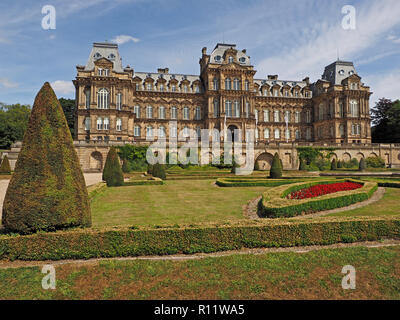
(250, 210)
(5, 264)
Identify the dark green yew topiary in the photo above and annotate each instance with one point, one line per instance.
(276, 168)
(112, 172)
(303, 165)
(126, 168)
(47, 190)
(362, 165)
(5, 166)
(340, 164)
(334, 164)
(150, 168)
(159, 171)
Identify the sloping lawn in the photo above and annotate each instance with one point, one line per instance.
(175, 202)
(285, 275)
(388, 205)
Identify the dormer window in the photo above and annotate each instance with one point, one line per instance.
(97, 55)
(242, 60)
(230, 59)
(111, 56)
(341, 72)
(351, 72)
(217, 58)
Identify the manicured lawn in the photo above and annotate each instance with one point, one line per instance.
(176, 202)
(388, 205)
(312, 275)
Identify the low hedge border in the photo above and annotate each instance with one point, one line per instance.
(274, 204)
(92, 243)
(257, 182)
(153, 181)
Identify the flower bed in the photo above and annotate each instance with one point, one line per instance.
(322, 189)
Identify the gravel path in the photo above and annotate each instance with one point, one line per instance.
(5, 264)
(90, 178)
(250, 210)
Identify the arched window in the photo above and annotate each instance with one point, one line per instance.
(297, 133)
(173, 113)
(106, 123)
(161, 132)
(276, 116)
(277, 134)
(247, 85)
(87, 123)
(87, 98)
(161, 112)
(287, 116)
(186, 113)
(185, 132)
(149, 131)
(149, 112)
(230, 59)
(216, 108)
(354, 108)
(266, 115)
(136, 131)
(197, 115)
(228, 108)
(228, 84)
(266, 133)
(102, 99)
(247, 109)
(173, 131)
(287, 134)
(297, 117)
(236, 109)
(136, 111)
(119, 124)
(236, 84)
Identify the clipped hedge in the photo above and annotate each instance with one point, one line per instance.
(258, 182)
(274, 203)
(91, 243)
(153, 181)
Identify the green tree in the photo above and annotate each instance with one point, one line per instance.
(334, 164)
(112, 172)
(276, 167)
(386, 119)
(5, 167)
(303, 165)
(68, 106)
(47, 190)
(13, 122)
(362, 165)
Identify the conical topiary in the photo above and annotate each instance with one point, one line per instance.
(47, 190)
(5, 166)
(340, 164)
(112, 172)
(334, 164)
(303, 165)
(126, 168)
(362, 165)
(159, 171)
(276, 168)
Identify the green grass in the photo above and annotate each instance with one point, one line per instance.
(176, 202)
(388, 205)
(312, 275)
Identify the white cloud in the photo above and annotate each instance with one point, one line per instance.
(121, 39)
(6, 83)
(384, 86)
(63, 87)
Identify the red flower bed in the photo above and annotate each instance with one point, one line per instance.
(322, 189)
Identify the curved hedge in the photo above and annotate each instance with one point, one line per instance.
(274, 203)
(256, 182)
(124, 242)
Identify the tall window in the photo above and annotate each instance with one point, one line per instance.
(149, 112)
(87, 98)
(236, 109)
(185, 88)
(161, 87)
(266, 133)
(297, 116)
(297, 134)
(228, 108)
(215, 84)
(341, 130)
(287, 116)
(266, 115)
(341, 110)
(161, 112)
(287, 134)
(356, 129)
(276, 116)
(173, 88)
(247, 85)
(136, 131)
(106, 123)
(119, 101)
(100, 123)
(185, 132)
(198, 132)
(102, 99)
(230, 59)
(87, 123)
(256, 115)
(308, 116)
(308, 134)
(186, 113)
(136, 111)
(321, 111)
(216, 108)
(247, 111)
(149, 131)
(236, 84)
(119, 124)
(277, 134)
(354, 108)
(173, 113)
(197, 115)
(173, 131)
(161, 132)
(228, 84)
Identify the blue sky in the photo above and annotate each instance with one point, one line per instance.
(291, 38)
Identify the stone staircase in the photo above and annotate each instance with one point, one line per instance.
(12, 154)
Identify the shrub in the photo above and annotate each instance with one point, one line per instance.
(159, 171)
(323, 164)
(276, 167)
(303, 165)
(112, 172)
(150, 168)
(126, 168)
(340, 164)
(334, 164)
(47, 190)
(375, 162)
(5, 166)
(362, 166)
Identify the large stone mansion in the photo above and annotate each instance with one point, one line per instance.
(116, 103)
